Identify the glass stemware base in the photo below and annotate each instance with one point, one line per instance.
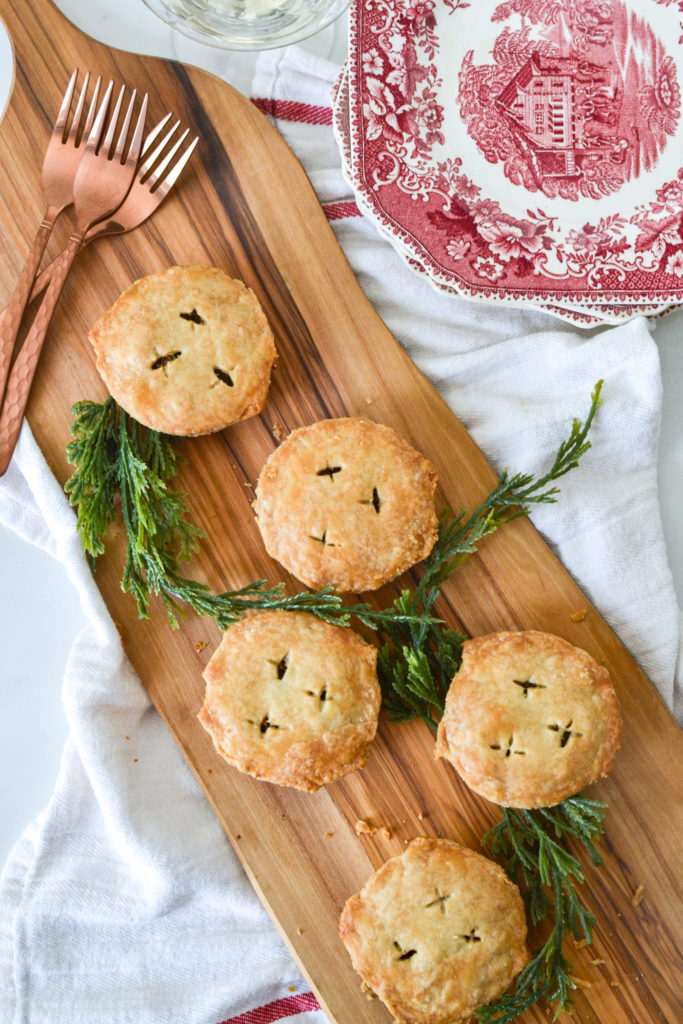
(247, 24)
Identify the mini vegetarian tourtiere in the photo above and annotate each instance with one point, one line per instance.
(347, 503)
(292, 699)
(530, 719)
(186, 351)
(437, 932)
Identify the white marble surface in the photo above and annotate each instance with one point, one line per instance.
(39, 610)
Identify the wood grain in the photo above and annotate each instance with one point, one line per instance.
(248, 207)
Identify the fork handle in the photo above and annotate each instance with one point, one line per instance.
(24, 368)
(43, 279)
(11, 320)
(39, 286)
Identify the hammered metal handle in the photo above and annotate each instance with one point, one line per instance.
(39, 286)
(24, 368)
(11, 319)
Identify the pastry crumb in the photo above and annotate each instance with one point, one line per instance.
(135, 760)
(614, 983)
(598, 962)
(291, 988)
(637, 897)
(366, 990)
(364, 828)
(276, 430)
(208, 770)
(581, 943)
(579, 615)
(328, 835)
(420, 816)
(200, 645)
(299, 931)
(581, 982)
(369, 401)
(248, 483)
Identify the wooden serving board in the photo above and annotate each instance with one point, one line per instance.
(247, 206)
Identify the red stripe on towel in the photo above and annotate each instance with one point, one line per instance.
(290, 110)
(278, 1010)
(337, 211)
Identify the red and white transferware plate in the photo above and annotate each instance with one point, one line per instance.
(525, 150)
(583, 314)
(340, 122)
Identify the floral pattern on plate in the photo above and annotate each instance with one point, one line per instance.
(533, 151)
(582, 315)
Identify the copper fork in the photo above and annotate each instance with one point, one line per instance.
(146, 193)
(62, 157)
(102, 180)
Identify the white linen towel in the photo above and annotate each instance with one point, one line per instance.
(123, 903)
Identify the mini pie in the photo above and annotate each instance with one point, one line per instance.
(437, 932)
(292, 699)
(346, 503)
(529, 720)
(186, 351)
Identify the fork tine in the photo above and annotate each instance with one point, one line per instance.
(124, 128)
(136, 143)
(153, 157)
(91, 110)
(173, 175)
(158, 171)
(79, 108)
(153, 133)
(96, 130)
(66, 104)
(111, 128)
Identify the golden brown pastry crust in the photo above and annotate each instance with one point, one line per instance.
(292, 699)
(186, 351)
(347, 503)
(530, 719)
(437, 932)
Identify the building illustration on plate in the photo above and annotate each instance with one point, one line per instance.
(562, 112)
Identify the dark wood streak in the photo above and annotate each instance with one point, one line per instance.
(51, 54)
(160, 241)
(223, 436)
(303, 879)
(36, 98)
(229, 191)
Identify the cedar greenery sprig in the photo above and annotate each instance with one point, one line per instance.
(532, 847)
(418, 663)
(512, 497)
(119, 461)
(116, 458)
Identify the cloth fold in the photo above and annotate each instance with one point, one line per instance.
(124, 902)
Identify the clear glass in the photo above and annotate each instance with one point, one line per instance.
(248, 24)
